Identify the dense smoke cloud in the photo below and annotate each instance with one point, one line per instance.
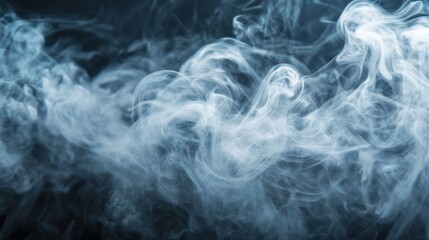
(219, 120)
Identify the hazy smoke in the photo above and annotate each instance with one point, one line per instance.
(312, 122)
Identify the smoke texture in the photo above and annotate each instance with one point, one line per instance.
(221, 119)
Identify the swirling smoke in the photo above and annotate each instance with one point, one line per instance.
(244, 120)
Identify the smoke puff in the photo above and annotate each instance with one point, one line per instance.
(253, 136)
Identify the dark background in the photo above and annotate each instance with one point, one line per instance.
(43, 213)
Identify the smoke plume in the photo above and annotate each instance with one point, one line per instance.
(234, 119)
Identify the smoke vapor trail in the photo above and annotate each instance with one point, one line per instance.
(298, 120)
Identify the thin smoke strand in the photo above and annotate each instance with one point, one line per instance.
(233, 142)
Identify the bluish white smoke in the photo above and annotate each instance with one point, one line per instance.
(247, 139)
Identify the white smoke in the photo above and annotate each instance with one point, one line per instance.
(240, 144)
